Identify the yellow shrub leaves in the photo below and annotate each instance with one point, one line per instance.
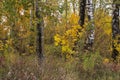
(103, 21)
(106, 60)
(70, 36)
(57, 39)
(74, 19)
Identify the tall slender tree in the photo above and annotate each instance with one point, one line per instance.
(90, 35)
(82, 11)
(115, 30)
(66, 11)
(39, 29)
(89, 5)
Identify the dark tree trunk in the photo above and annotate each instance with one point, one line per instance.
(66, 12)
(39, 36)
(115, 30)
(82, 11)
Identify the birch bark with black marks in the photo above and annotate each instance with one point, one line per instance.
(91, 32)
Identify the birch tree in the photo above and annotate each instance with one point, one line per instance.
(90, 36)
(90, 14)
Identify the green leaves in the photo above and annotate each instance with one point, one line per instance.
(90, 60)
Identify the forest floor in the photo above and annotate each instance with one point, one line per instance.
(54, 67)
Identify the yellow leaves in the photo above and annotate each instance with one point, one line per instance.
(65, 49)
(117, 44)
(107, 25)
(118, 47)
(108, 30)
(67, 38)
(74, 32)
(57, 39)
(103, 21)
(74, 19)
(76, 27)
(80, 34)
(68, 32)
(106, 60)
(64, 42)
(31, 48)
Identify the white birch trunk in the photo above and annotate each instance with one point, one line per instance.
(91, 32)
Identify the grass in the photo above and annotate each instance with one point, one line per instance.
(55, 67)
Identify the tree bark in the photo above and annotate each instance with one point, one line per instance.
(82, 11)
(115, 30)
(90, 34)
(39, 29)
(66, 11)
